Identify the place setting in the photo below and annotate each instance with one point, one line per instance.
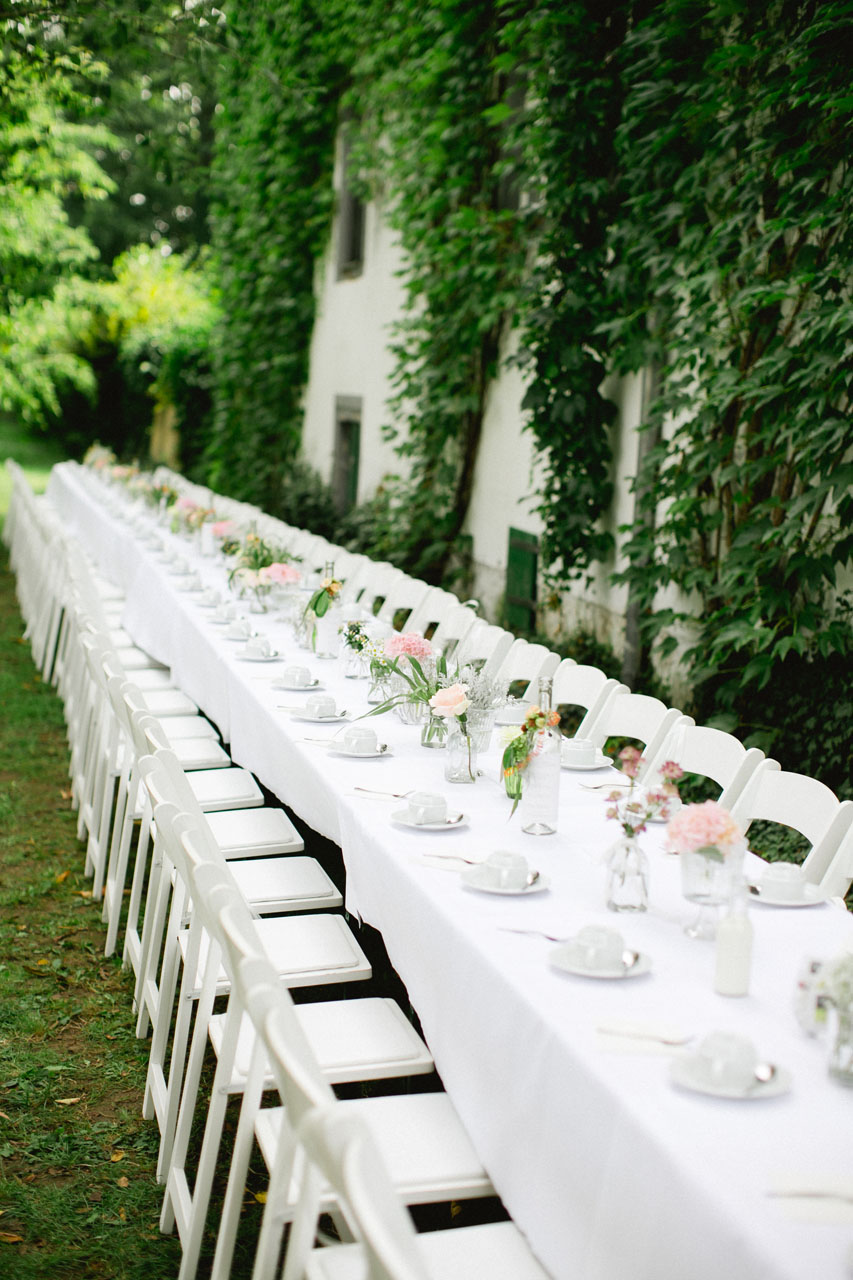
(427, 811)
(504, 872)
(726, 1065)
(319, 708)
(781, 884)
(259, 649)
(596, 951)
(579, 755)
(297, 680)
(359, 742)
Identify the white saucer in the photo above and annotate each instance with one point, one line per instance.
(274, 656)
(221, 622)
(470, 878)
(402, 817)
(180, 573)
(601, 762)
(298, 688)
(361, 755)
(683, 1074)
(770, 899)
(240, 639)
(559, 959)
(335, 719)
(209, 604)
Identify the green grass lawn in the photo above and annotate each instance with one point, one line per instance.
(34, 453)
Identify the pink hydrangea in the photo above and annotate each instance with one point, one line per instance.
(703, 826)
(282, 574)
(185, 504)
(222, 528)
(408, 644)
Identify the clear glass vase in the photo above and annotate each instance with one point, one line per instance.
(434, 731)
(327, 639)
(627, 875)
(841, 1052)
(481, 722)
(460, 763)
(705, 880)
(355, 667)
(540, 790)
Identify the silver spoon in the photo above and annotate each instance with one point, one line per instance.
(395, 795)
(533, 933)
(531, 879)
(764, 1072)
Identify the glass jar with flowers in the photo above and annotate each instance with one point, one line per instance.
(413, 675)
(627, 864)
(249, 560)
(711, 849)
(531, 767)
(451, 705)
(354, 640)
(836, 984)
(378, 667)
(322, 616)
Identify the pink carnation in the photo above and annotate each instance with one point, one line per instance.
(452, 701)
(408, 644)
(703, 826)
(222, 528)
(283, 574)
(186, 504)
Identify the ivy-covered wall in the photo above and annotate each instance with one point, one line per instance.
(630, 187)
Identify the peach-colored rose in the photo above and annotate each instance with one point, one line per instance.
(283, 574)
(703, 826)
(452, 701)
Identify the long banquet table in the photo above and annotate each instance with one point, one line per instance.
(608, 1169)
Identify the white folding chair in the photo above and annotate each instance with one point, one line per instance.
(806, 805)
(528, 662)
(421, 1139)
(355, 1039)
(434, 612)
(484, 644)
(452, 628)
(638, 716)
(405, 594)
(578, 685)
(710, 753)
(340, 1151)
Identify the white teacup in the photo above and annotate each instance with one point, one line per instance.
(783, 880)
(506, 870)
(599, 947)
(361, 740)
(239, 629)
(299, 677)
(578, 751)
(225, 612)
(258, 647)
(211, 598)
(426, 807)
(320, 705)
(726, 1060)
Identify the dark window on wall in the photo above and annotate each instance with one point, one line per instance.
(522, 563)
(347, 446)
(350, 224)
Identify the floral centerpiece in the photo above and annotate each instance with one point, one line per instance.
(452, 705)
(98, 456)
(322, 600)
(711, 846)
(641, 806)
(523, 748)
(408, 673)
(354, 636)
(257, 566)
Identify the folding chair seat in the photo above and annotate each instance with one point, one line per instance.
(339, 1150)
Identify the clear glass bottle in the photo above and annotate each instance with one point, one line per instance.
(540, 788)
(327, 625)
(734, 944)
(627, 875)
(460, 762)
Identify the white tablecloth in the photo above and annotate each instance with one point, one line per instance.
(608, 1169)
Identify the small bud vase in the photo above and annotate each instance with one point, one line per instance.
(627, 875)
(460, 764)
(434, 731)
(841, 1052)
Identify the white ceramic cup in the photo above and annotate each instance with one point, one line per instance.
(599, 947)
(361, 740)
(238, 629)
(578, 751)
(225, 612)
(783, 880)
(726, 1060)
(320, 704)
(300, 677)
(211, 598)
(258, 647)
(426, 807)
(506, 870)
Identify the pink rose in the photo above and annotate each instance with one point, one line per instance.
(283, 574)
(703, 826)
(452, 701)
(222, 528)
